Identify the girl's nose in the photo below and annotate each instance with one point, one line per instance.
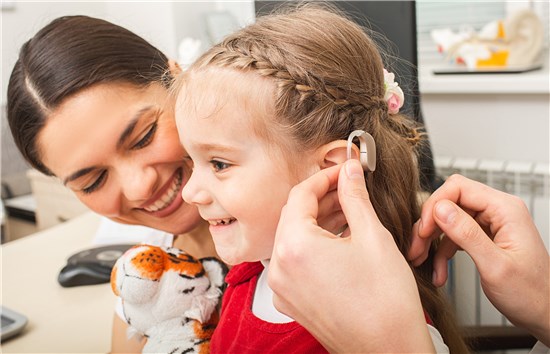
(194, 193)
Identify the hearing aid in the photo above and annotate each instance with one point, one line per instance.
(367, 149)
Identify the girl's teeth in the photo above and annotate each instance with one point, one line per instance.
(222, 221)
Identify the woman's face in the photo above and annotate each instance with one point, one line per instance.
(116, 146)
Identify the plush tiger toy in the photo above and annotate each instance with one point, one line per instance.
(169, 297)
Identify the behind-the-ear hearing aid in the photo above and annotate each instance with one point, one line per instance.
(367, 149)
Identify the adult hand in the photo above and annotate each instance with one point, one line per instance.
(497, 231)
(352, 293)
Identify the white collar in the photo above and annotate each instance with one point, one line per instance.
(262, 304)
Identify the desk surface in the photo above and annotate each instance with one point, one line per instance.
(61, 320)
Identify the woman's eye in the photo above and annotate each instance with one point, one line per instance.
(96, 184)
(147, 138)
(219, 166)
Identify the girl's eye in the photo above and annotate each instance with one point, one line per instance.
(147, 138)
(96, 184)
(219, 166)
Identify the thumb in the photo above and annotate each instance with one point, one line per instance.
(465, 232)
(354, 197)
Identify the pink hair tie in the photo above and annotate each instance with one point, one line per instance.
(393, 94)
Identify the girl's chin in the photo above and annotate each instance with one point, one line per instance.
(229, 258)
(233, 259)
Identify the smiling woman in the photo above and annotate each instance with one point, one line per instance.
(90, 105)
(88, 102)
(132, 156)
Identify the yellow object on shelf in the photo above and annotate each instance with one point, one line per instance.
(499, 58)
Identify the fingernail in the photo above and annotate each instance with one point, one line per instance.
(354, 170)
(445, 212)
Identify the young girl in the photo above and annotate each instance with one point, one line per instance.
(263, 110)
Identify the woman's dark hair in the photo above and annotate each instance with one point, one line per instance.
(71, 54)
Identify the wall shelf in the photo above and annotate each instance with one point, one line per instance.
(532, 82)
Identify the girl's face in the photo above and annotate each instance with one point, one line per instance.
(116, 146)
(238, 184)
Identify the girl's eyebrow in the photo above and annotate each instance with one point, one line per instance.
(215, 147)
(123, 137)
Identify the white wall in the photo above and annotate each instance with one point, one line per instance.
(489, 126)
(154, 21)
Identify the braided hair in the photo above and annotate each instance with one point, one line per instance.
(328, 81)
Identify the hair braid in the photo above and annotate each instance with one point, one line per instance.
(240, 55)
(407, 129)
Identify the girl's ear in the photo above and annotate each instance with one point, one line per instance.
(174, 67)
(335, 153)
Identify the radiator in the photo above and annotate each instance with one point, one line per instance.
(528, 180)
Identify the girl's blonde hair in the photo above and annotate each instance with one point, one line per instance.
(329, 81)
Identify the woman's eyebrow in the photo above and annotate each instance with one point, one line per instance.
(78, 174)
(131, 126)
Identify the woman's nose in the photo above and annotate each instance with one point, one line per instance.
(193, 192)
(138, 183)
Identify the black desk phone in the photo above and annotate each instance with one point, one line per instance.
(91, 266)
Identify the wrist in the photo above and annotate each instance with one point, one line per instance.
(407, 333)
(540, 327)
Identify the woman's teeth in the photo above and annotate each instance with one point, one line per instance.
(168, 197)
(221, 221)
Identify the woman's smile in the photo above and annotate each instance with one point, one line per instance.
(168, 198)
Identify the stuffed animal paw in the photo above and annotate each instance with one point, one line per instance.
(169, 297)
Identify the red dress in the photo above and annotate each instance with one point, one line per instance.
(240, 331)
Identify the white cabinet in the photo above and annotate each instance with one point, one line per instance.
(54, 202)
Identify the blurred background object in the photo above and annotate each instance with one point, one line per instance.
(511, 43)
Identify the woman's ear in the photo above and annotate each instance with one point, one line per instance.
(335, 153)
(174, 67)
